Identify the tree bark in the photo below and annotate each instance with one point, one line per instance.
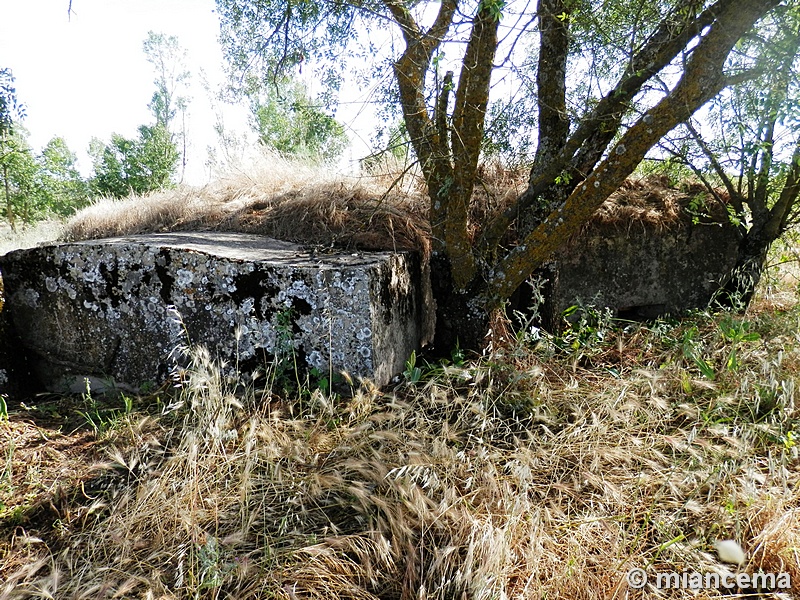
(553, 121)
(461, 318)
(751, 258)
(449, 170)
(703, 79)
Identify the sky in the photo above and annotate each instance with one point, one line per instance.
(85, 75)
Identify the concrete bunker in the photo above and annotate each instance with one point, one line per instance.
(650, 250)
(119, 308)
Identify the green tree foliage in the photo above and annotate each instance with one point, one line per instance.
(34, 186)
(286, 120)
(61, 188)
(137, 165)
(169, 102)
(10, 113)
(41, 185)
(605, 80)
(149, 161)
(20, 180)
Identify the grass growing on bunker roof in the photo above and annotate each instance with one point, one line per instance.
(279, 198)
(383, 209)
(544, 470)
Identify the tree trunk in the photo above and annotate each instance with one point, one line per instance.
(9, 208)
(768, 225)
(702, 79)
(750, 260)
(461, 315)
(474, 278)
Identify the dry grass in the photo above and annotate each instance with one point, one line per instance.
(652, 202)
(277, 198)
(383, 210)
(29, 236)
(528, 474)
(545, 470)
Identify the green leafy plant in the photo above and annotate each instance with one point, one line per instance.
(213, 569)
(495, 8)
(736, 332)
(290, 122)
(697, 209)
(284, 371)
(692, 351)
(324, 381)
(587, 331)
(101, 418)
(412, 373)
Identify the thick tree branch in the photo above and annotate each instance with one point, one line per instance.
(758, 199)
(402, 16)
(410, 70)
(442, 101)
(551, 82)
(469, 117)
(597, 129)
(702, 80)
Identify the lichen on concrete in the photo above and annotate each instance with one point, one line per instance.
(119, 307)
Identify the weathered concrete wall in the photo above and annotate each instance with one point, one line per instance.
(16, 380)
(640, 271)
(119, 307)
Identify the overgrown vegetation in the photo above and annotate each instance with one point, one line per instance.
(545, 469)
(289, 122)
(37, 186)
(598, 84)
(548, 466)
(283, 199)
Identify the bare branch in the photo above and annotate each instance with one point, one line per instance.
(441, 108)
(736, 199)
